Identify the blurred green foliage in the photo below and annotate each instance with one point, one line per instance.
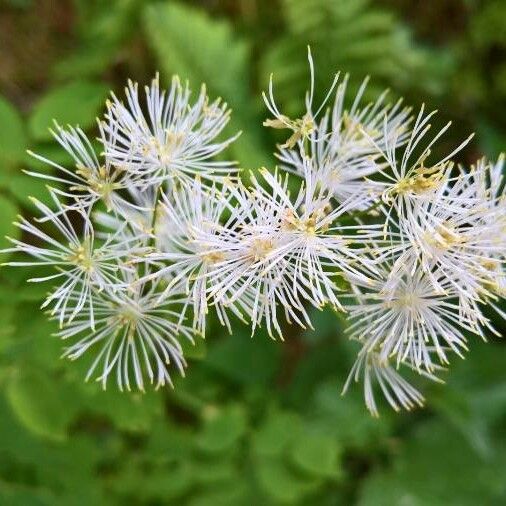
(255, 421)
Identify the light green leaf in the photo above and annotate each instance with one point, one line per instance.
(13, 137)
(39, 404)
(234, 493)
(23, 186)
(8, 213)
(346, 418)
(208, 472)
(204, 50)
(276, 433)
(76, 103)
(222, 430)
(282, 484)
(134, 412)
(317, 454)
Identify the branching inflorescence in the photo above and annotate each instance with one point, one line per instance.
(148, 237)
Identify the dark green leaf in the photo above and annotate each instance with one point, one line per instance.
(244, 359)
(196, 350)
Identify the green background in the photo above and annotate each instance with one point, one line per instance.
(255, 422)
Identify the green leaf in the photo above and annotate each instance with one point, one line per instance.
(162, 482)
(23, 186)
(283, 484)
(474, 399)
(190, 43)
(196, 350)
(19, 495)
(169, 442)
(435, 466)
(472, 425)
(222, 430)
(320, 363)
(8, 213)
(208, 472)
(276, 433)
(244, 359)
(370, 40)
(317, 454)
(51, 151)
(76, 103)
(37, 401)
(327, 323)
(134, 412)
(15, 288)
(346, 418)
(8, 327)
(235, 492)
(87, 61)
(13, 140)
(204, 50)
(35, 341)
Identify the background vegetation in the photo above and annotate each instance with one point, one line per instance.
(255, 422)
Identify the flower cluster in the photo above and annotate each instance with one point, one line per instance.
(148, 237)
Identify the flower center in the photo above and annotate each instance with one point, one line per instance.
(424, 179)
(128, 316)
(445, 237)
(260, 248)
(357, 129)
(98, 181)
(212, 257)
(81, 257)
(307, 225)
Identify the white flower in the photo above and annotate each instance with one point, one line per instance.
(487, 179)
(341, 149)
(174, 138)
(303, 127)
(253, 273)
(373, 370)
(458, 236)
(186, 231)
(314, 239)
(134, 217)
(135, 337)
(80, 263)
(409, 320)
(285, 253)
(485, 184)
(154, 233)
(93, 178)
(405, 175)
